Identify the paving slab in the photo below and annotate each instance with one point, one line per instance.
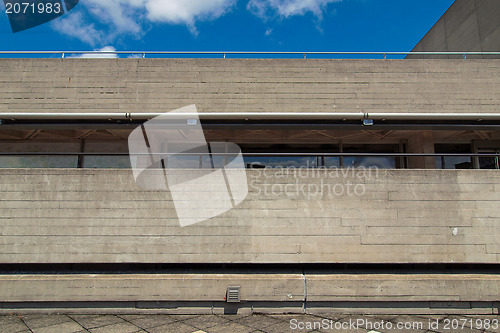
(118, 328)
(229, 327)
(258, 323)
(67, 327)
(177, 327)
(150, 321)
(14, 328)
(38, 322)
(12, 324)
(206, 321)
(90, 322)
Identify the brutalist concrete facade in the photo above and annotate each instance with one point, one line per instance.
(407, 237)
(469, 25)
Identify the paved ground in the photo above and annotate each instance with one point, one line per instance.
(246, 324)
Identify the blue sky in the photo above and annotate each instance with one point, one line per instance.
(233, 25)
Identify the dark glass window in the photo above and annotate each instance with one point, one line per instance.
(381, 162)
(453, 162)
(489, 162)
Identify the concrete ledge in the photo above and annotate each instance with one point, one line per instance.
(149, 287)
(296, 290)
(403, 287)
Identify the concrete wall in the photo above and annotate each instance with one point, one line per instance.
(400, 216)
(469, 25)
(295, 292)
(393, 216)
(229, 85)
(396, 216)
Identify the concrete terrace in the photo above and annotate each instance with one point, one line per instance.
(263, 323)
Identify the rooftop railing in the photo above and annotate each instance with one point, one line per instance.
(240, 54)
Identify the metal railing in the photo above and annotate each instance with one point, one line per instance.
(258, 154)
(320, 157)
(226, 54)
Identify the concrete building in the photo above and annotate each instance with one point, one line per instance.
(469, 25)
(393, 209)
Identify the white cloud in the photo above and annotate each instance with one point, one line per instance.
(108, 55)
(100, 22)
(286, 8)
(123, 15)
(75, 26)
(129, 17)
(186, 11)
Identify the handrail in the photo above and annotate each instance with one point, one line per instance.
(260, 154)
(224, 54)
(250, 115)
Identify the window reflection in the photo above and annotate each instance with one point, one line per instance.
(283, 162)
(332, 162)
(381, 162)
(373, 162)
(106, 162)
(199, 159)
(489, 163)
(42, 161)
(453, 162)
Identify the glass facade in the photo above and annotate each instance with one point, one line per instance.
(36, 162)
(489, 162)
(453, 162)
(257, 156)
(106, 162)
